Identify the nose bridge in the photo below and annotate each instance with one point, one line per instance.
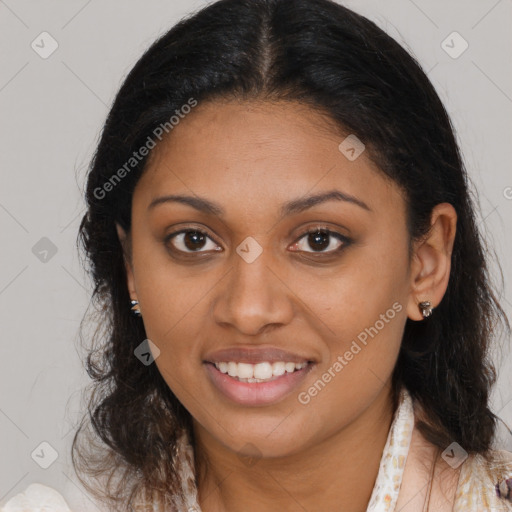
(253, 295)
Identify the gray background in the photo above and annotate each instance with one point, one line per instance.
(52, 111)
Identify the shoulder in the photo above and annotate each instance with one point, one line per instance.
(485, 482)
(36, 497)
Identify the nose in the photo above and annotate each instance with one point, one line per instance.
(254, 297)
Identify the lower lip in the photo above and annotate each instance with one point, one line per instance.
(256, 393)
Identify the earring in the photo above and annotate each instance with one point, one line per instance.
(135, 308)
(426, 308)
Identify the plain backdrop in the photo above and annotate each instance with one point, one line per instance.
(52, 111)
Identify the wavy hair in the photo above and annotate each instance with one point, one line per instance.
(322, 55)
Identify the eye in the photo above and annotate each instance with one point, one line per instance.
(191, 241)
(322, 241)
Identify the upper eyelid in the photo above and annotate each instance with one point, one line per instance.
(181, 231)
(319, 227)
(307, 231)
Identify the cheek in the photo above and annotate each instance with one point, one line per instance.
(365, 312)
(172, 322)
(353, 296)
(172, 310)
(361, 311)
(167, 295)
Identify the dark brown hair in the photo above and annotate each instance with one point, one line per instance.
(320, 54)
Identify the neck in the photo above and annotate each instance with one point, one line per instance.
(337, 473)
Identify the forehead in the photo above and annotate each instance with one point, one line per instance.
(258, 153)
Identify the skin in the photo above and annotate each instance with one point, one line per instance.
(422, 460)
(250, 158)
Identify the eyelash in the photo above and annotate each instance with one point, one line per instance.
(342, 238)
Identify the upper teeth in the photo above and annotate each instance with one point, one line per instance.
(263, 370)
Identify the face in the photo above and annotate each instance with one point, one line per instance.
(267, 270)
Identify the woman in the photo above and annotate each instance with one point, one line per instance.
(297, 305)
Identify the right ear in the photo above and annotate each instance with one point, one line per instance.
(125, 244)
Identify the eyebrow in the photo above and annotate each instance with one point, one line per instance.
(291, 207)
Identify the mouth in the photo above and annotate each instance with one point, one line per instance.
(265, 371)
(258, 384)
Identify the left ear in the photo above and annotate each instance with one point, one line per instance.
(431, 260)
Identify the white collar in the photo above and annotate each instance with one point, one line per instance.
(394, 456)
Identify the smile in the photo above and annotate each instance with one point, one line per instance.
(259, 384)
(261, 372)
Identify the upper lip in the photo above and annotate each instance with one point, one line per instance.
(255, 355)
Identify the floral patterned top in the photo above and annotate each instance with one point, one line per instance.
(483, 486)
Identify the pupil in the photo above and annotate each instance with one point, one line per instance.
(319, 238)
(193, 237)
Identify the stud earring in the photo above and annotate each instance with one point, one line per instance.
(135, 308)
(426, 308)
